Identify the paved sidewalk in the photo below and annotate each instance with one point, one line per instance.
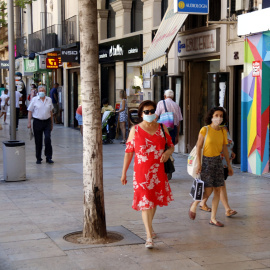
(51, 200)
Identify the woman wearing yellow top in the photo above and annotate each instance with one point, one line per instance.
(211, 169)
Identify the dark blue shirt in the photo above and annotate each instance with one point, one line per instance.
(52, 92)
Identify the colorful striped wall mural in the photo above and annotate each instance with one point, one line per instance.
(255, 105)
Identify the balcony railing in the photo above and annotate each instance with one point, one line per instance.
(45, 39)
(20, 45)
(70, 34)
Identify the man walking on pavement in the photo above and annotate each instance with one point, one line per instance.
(55, 102)
(18, 96)
(40, 109)
(171, 107)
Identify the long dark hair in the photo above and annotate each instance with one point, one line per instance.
(209, 116)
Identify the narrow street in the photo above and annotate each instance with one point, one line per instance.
(51, 200)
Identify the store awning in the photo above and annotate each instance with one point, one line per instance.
(169, 27)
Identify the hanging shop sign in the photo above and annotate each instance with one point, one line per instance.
(191, 6)
(60, 61)
(4, 64)
(201, 43)
(71, 55)
(52, 63)
(121, 50)
(52, 54)
(30, 65)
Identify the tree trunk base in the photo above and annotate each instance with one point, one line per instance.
(77, 238)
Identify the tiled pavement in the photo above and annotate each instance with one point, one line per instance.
(51, 201)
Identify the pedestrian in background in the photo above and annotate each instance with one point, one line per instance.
(106, 106)
(18, 97)
(175, 109)
(33, 92)
(223, 190)
(79, 118)
(41, 110)
(123, 114)
(150, 183)
(55, 101)
(211, 169)
(4, 105)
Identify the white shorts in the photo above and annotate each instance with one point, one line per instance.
(3, 108)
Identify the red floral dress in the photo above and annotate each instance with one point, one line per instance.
(150, 182)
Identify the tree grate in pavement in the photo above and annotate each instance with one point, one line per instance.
(129, 238)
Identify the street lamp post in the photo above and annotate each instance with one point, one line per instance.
(11, 58)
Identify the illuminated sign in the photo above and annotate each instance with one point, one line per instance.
(52, 63)
(59, 60)
(52, 54)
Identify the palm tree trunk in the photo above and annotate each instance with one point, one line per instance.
(94, 226)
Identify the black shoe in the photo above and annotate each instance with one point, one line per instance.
(38, 162)
(48, 160)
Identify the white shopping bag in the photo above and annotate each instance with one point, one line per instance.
(197, 190)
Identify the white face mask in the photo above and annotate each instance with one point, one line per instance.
(217, 121)
(149, 118)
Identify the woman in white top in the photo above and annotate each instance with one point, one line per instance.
(4, 103)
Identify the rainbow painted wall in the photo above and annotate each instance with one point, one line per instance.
(255, 105)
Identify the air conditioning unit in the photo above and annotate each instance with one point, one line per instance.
(242, 5)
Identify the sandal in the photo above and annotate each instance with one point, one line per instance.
(154, 235)
(230, 213)
(218, 224)
(192, 215)
(149, 243)
(205, 208)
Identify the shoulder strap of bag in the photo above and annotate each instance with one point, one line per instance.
(205, 138)
(163, 133)
(165, 106)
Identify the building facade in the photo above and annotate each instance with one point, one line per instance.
(203, 63)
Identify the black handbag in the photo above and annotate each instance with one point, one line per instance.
(168, 165)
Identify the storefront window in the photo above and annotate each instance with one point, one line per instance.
(134, 87)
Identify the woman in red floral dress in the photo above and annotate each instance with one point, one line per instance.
(150, 183)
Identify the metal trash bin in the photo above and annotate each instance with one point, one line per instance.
(14, 160)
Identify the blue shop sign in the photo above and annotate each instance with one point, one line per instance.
(191, 6)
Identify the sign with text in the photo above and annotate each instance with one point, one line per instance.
(30, 65)
(4, 64)
(70, 55)
(191, 6)
(52, 54)
(204, 42)
(52, 63)
(256, 69)
(129, 48)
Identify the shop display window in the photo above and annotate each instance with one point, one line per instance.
(134, 85)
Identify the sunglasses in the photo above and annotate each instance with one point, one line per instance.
(149, 111)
